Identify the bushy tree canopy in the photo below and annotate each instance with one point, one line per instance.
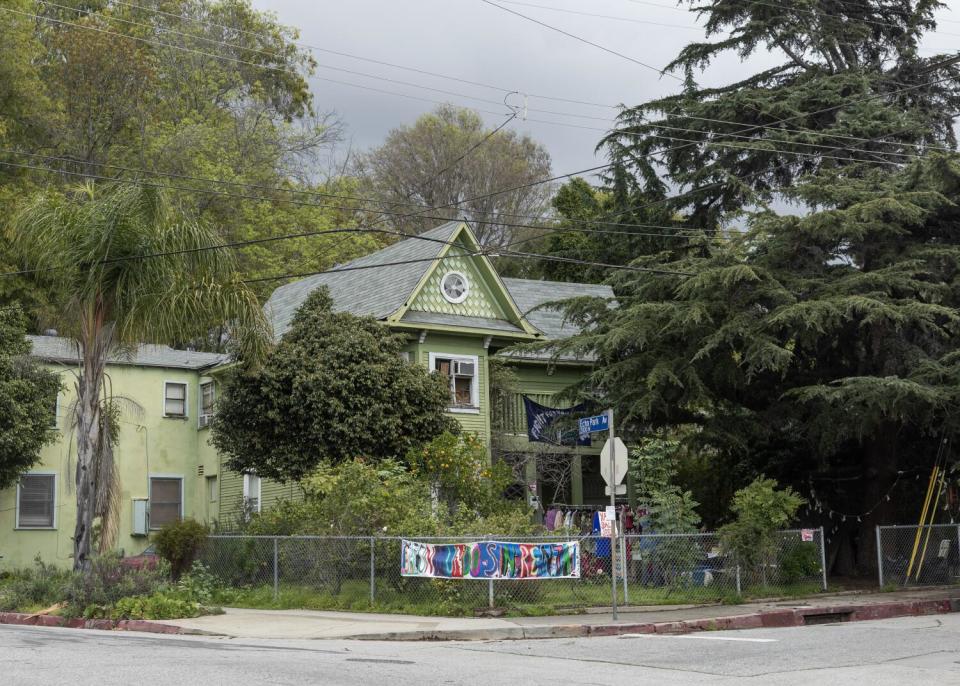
(819, 344)
(334, 388)
(27, 397)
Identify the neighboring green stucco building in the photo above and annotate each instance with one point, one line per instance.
(437, 288)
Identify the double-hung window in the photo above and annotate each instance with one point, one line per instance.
(166, 500)
(174, 399)
(207, 398)
(462, 372)
(37, 501)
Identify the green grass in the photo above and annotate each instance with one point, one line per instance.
(463, 598)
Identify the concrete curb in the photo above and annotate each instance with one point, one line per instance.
(142, 625)
(787, 617)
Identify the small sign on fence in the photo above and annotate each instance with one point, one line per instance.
(490, 560)
(806, 535)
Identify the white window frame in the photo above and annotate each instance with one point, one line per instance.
(475, 388)
(186, 399)
(150, 478)
(246, 490)
(56, 509)
(443, 287)
(200, 415)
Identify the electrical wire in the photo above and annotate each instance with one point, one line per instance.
(395, 81)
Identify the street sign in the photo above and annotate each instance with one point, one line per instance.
(621, 489)
(619, 461)
(589, 425)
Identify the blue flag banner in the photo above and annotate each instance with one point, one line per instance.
(540, 420)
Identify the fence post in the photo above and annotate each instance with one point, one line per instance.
(738, 580)
(490, 602)
(276, 569)
(373, 581)
(823, 558)
(879, 557)
(623, 566)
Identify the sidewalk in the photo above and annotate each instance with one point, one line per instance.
(307, 624)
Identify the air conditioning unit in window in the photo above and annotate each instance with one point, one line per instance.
(205, 420)
(461, 368)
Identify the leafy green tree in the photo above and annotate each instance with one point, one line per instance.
(448, 157)
(849, 76)
(634, 221)
(762, 510)
(823, 344)
(334, 388)
(131, 270)
(186, 90)
(27, 397)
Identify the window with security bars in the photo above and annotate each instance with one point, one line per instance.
(166, 501)
(174, 399)
(36, 501)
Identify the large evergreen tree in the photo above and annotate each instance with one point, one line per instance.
(818, 346)
(851, 77)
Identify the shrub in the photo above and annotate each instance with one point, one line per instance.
(198, 584)
(109, 580)
(180, 542)
(161, 605)
(41, 585)
(800, 561)
(762, 510)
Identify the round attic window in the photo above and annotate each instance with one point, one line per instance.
(454, 287)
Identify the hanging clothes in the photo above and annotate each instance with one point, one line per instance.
(550, 519)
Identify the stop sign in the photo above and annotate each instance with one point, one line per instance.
(619, 461)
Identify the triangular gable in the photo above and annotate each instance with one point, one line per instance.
(488, 297)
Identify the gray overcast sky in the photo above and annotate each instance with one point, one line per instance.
(472, 40)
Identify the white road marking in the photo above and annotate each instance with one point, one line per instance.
(701, 637)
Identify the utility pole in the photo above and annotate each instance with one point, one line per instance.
(613, 522)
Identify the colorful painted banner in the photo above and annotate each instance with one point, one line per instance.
(490, 560)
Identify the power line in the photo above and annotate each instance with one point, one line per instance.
(582, 40)
(384, 63)
(603, 16)
(680, 232)
(278, 189)
(378, 90)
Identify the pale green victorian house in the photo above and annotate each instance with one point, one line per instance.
(437, 288)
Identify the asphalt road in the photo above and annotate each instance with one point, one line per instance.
(921, 650)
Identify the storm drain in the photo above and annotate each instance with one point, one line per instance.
(826, 618)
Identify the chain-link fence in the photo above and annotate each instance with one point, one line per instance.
(918, 556)
(362, 573)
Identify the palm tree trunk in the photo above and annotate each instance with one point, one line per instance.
(94, 347)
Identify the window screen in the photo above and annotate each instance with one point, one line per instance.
(175, 399)
(164, 501)
(37, 501)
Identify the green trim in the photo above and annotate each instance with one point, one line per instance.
(497, 289)
(496, 334)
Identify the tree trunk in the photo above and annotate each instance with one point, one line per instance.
(94, 348)
(879, 473)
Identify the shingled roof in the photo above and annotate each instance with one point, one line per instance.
(359, 287)
(58, 349)
(530, 294)
(380, 284)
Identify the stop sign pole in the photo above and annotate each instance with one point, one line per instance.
(613, 523)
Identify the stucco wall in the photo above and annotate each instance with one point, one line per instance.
(149, 444)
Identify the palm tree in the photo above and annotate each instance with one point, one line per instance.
(130, 269)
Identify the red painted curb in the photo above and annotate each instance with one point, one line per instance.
(23, 619)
